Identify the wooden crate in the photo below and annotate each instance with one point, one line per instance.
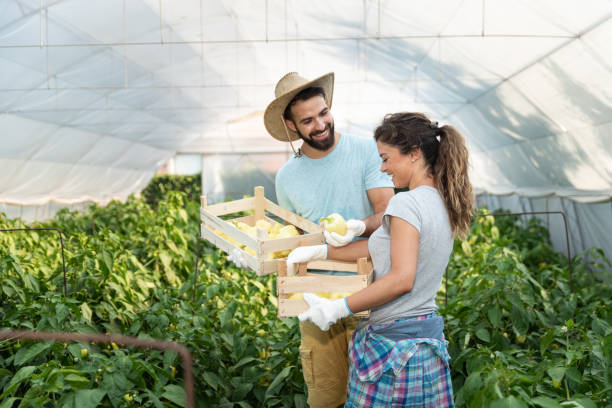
(261, 246)
(305, 282)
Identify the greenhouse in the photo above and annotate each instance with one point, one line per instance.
(132, 128)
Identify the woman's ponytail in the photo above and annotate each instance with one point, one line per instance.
(451, 177)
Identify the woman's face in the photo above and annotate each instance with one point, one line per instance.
(399, 166)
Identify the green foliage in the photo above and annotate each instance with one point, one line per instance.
(518, 335)
(162, 184)
(131, 271)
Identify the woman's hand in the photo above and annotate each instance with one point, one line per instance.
(305, 254)
(324, 312)
(354, 228)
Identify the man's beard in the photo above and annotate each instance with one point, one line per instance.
(322, 145)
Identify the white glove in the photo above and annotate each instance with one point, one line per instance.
(354, 228)
(236, 257)
(305, 254)
(324, 312)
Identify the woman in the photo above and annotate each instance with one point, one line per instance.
(398, 355)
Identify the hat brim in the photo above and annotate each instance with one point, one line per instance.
(273, 116)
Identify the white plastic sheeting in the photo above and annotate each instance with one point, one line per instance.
(95, 95)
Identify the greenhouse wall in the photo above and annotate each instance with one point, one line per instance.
(31, 213)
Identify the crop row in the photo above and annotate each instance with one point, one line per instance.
(518, 335)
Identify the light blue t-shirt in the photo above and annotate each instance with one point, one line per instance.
(336, 183)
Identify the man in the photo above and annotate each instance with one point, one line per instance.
(330, 173)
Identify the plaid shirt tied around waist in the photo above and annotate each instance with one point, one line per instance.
(404, 367)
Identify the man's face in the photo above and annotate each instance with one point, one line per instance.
(313, 122)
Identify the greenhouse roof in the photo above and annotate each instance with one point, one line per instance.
(96, 95)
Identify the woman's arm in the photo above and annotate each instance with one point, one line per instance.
(350, 252)
(400, 279)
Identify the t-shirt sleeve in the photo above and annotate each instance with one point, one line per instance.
(281, 195)
(373, 177)
(403, 206)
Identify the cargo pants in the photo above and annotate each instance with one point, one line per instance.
(324, 356)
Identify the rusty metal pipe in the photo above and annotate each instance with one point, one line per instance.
(181, 350)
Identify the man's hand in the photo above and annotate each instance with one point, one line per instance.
(354, 228)
(236, 257)
(324, 312)
(305, 254)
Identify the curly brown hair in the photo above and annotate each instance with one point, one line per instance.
(446, 157)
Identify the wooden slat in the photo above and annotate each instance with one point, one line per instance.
(267, 267)
(282, 269)
(329, 265)
(292, 218)
(260, 203)
(249, 219)
(270, 220)
(231, 207)
(227, 247)
(321, 283)
(293, 307)
(364, 266)
(216, 223)
(281, 244)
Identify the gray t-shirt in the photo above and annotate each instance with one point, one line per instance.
(423, 208)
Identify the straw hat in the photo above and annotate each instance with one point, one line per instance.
(286, 88)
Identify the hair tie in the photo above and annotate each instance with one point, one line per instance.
(436, 130)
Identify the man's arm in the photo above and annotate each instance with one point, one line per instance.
(379, 198)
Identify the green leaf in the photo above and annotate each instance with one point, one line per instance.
(556, 373)
(574, 374)
(166, 261)
(88, 398)
(299, 401)
(483, 334)
(211, 379)
(227, 313)
(585, 402)
(471, 386)
(518, 321)
(153, 398)
(116, 385)
(26, 354)
(244, 361)
(77, 381)
(183, 215)
(8, 403)
(23, 374)
(546, 341)
(241, 390)
(277, 383)
(545, 402)
(508, 402)
(86, 311)
(495, 316)
(61, 312)
(175, 394)
(108, 262)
